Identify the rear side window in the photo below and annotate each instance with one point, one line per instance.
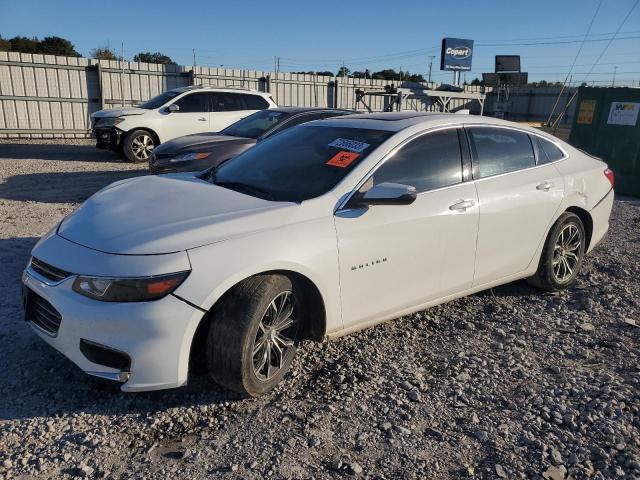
(193, 102)
(255, 102)
(227, 102)
(500, 150)
(428, 162)
(547, 151)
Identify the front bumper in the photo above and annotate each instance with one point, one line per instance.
(107, 137)
(156, 336)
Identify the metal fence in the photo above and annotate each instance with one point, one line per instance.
(50, 96)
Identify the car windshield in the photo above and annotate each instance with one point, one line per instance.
(159, 100)
(300, 163)
(255, 125)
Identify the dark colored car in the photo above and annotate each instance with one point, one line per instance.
(200, 151)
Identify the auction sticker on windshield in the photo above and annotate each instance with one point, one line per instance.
(343, 159)
(346, 144)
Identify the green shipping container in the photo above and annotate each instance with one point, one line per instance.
(606, 125)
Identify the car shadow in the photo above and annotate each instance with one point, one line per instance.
(56, 151)
(43, 382)
(61, 187)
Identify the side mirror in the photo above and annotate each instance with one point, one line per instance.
(173, 108)
(386, 193)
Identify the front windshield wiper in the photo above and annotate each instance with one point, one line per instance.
(244, 188)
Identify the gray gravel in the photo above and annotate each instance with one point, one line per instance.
(508, 383)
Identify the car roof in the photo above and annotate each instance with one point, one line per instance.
(218, 89)
(396, 121)
(310, 109)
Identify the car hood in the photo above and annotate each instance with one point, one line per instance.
(168, 213)
(118, 112)
(201, 142)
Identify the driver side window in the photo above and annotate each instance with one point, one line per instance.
(192, 103)
(430, 161)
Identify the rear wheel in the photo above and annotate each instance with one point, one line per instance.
(138, 146)
(562, 255)
(253, 337)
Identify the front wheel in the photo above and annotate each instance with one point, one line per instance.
(138, 146)
(253, 337)
(562, 255)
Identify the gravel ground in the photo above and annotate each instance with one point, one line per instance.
(508, 383)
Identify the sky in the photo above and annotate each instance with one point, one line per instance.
(321, 35)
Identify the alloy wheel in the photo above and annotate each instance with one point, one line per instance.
(566, 252)
(142, 147)
(276, 336)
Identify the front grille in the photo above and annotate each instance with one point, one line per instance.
(42, 313)
(48, 271)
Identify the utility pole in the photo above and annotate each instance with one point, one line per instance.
(193, 69)
(431, 57)
(613, 82)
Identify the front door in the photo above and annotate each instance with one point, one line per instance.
(401, 256)
(193, 116)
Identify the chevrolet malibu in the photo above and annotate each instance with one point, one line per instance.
(327, 228)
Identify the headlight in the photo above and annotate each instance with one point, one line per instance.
(186, 157)
(109, 121)
(128, 289)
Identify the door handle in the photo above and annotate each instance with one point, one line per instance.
(546, 186)
(462, 205)
(202, 119)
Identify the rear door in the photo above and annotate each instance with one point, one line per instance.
(193, 116)
(229, 107)
(394, 257)
(518, 200)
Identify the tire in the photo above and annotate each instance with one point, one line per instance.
(562, 254)
(138, 145)
(242, 326)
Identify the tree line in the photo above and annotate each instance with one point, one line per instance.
(63, 47)
(386, 74)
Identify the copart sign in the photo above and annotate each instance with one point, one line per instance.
(456, 54)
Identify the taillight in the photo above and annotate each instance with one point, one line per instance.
(609, 174)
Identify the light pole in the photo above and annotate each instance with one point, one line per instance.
(613, 81)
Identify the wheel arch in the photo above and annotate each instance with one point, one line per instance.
(314, 324)
(153, 133)
(587, 222)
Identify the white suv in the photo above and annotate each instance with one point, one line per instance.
(136, 131)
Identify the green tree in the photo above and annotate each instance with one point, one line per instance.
(57, 46)
(343, 72)
(156, 57)
(5, 45)
(103, 53)
(24, 44)
(387, 74)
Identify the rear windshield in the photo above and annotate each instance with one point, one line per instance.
(159, 100)
(300, 163)
(255, 125)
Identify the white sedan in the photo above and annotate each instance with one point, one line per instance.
(325, 229)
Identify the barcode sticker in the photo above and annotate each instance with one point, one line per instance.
(347, 144)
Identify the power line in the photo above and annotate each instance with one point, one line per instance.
(561, 42)
(633, 7)
(553, 37)
(575, 59)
